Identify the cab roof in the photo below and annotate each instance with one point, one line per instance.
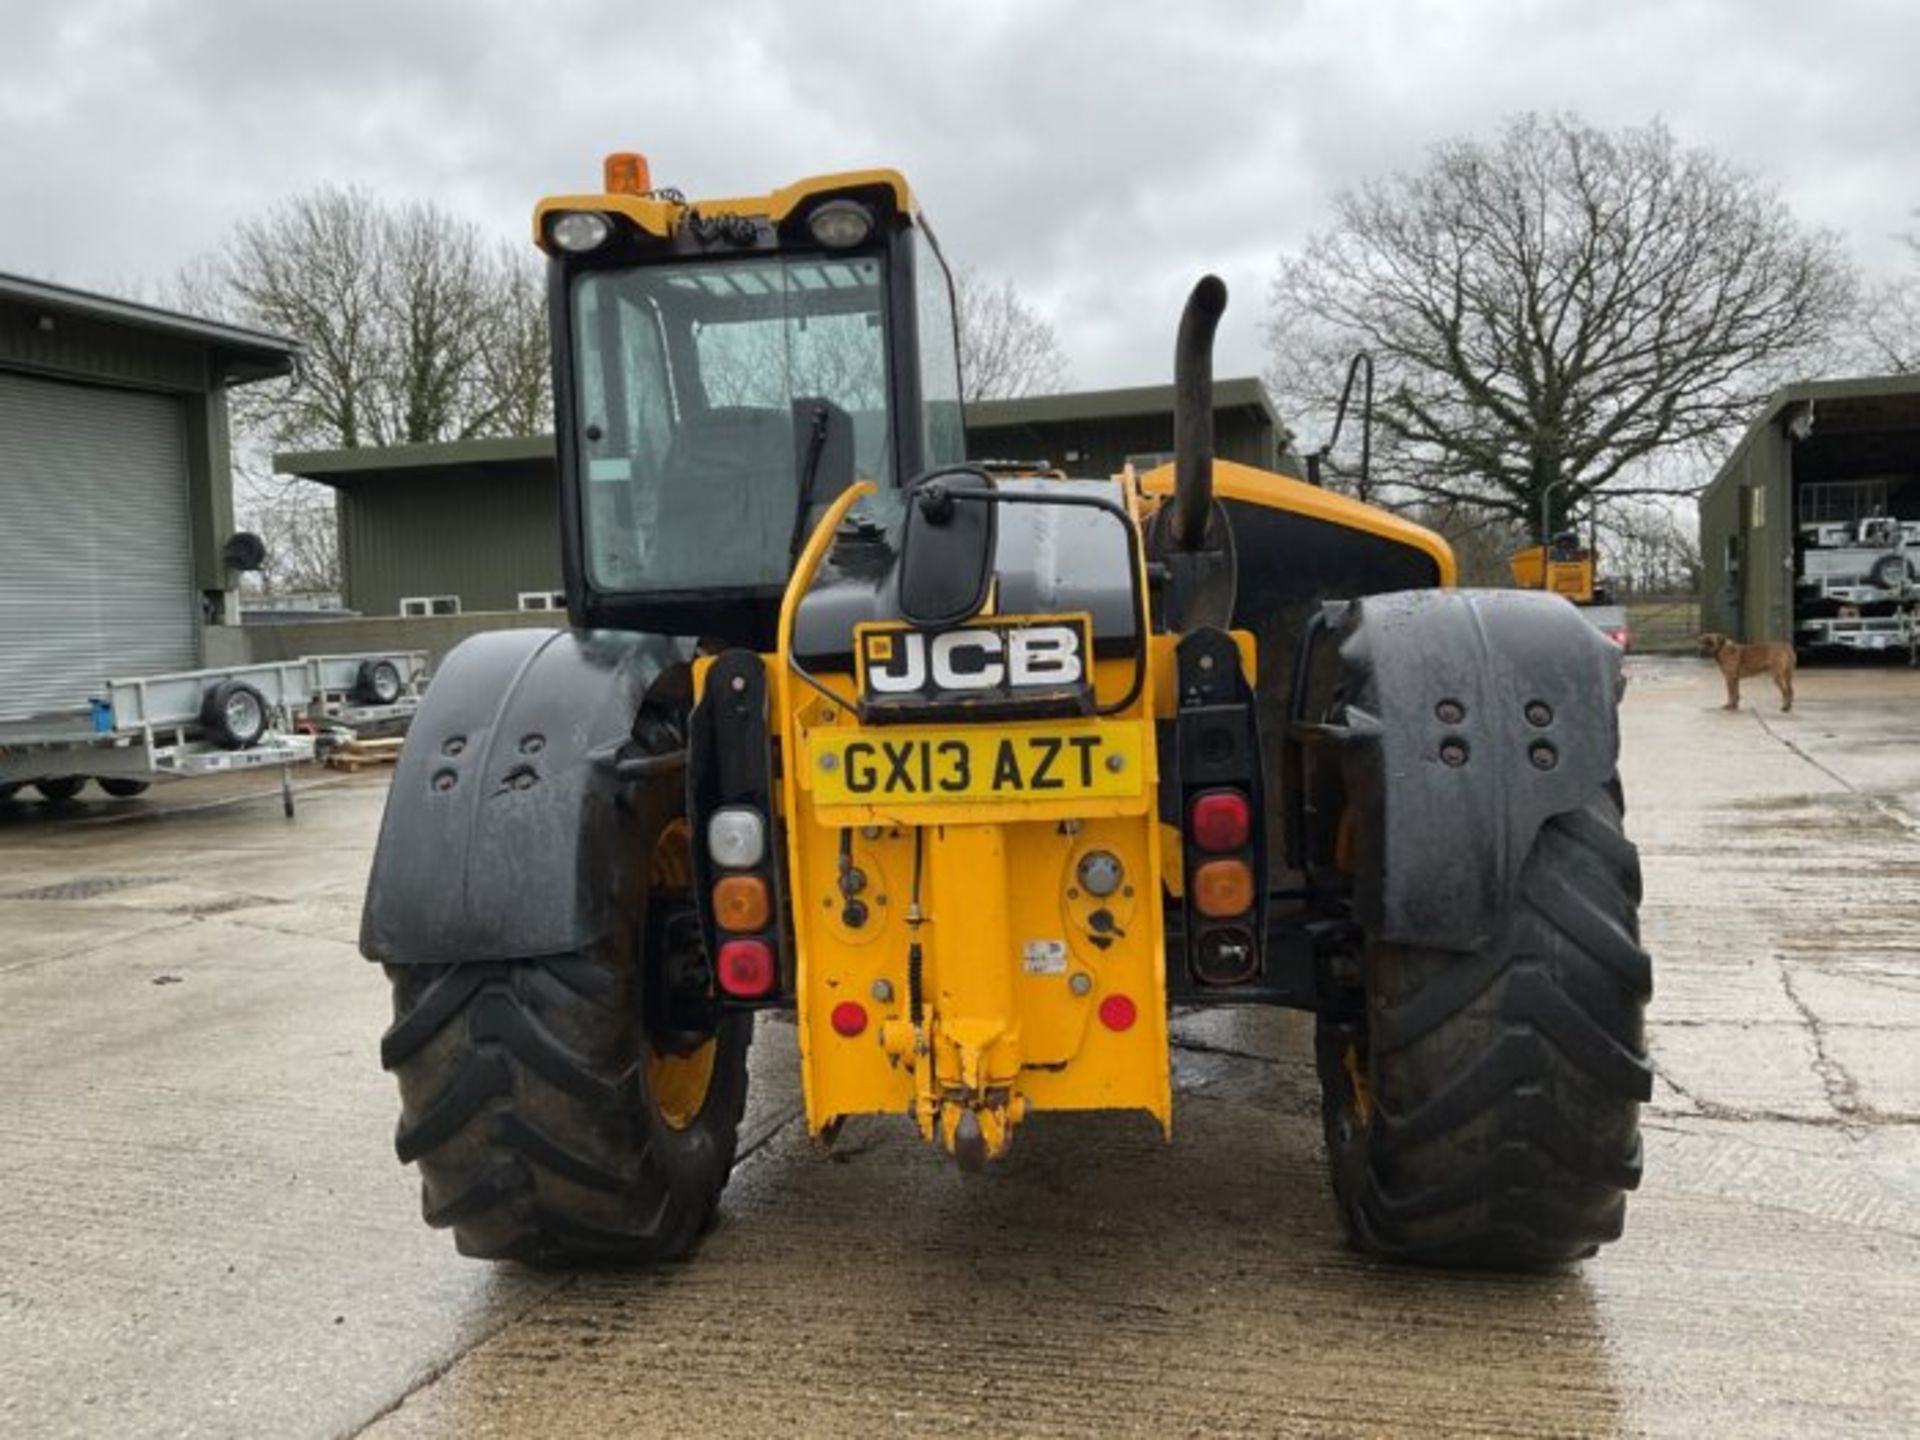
(659, 211)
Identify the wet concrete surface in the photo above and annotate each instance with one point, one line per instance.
(203, 1230)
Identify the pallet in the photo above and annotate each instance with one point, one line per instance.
(358, 755)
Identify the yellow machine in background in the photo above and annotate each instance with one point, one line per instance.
(980, 772)
(1563, 567)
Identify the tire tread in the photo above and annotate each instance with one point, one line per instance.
(523, 1104)
(1506, 1084)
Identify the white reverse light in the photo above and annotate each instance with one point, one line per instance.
(737, 838)
(579, 231)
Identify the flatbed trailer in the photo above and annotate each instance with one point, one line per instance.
(190, 723)
(1856, 582)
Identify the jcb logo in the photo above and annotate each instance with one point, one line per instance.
(1004, 657)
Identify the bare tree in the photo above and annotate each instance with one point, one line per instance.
(1553, 310)
(1007, 349)
(295, 519)
(414, 328)
(1648, 547)
(1888, 342)
(516, 368)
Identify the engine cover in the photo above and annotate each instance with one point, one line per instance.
(1047, 560)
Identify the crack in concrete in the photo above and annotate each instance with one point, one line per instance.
(439, 1371)
(1857, 1122)
(1743, 1025)
(773, 1133)
(1843, 1091)
(164, 922)
(1200, 1047)
(1889, 812)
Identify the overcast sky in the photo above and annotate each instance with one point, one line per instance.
(1103, 155)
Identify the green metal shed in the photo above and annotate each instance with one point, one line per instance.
(116, 496)
(1095, 432)
(472, 526)
(1823, 456)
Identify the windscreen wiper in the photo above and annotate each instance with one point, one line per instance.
(809, 469)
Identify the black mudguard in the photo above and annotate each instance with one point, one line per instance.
(504, 836)
(1446, 810)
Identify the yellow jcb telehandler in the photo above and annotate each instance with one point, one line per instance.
(980, 773)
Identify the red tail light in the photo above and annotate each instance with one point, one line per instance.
(1220, 820)
(849, 1018)
(1118, 1012)
(745, 968)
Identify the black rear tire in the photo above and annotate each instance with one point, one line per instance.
(527, 1093)
(524, 1100)
(122, 788)
(1498, 1122)
(59, 789)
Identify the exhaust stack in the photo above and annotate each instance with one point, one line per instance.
(1193, 412)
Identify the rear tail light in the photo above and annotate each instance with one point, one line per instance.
(1220, 820)
(1222, 888)
(740, 902)
(1226, 956)
(745, 968)
(737, 837)
(1118, 1012)
(849, 1018)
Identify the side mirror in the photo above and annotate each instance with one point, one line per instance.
(946, 549)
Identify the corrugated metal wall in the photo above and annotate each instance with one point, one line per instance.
(487, 536)
(77, 346)
(1103, 445)
(1746, 542)
(96, 557)
(483, 538)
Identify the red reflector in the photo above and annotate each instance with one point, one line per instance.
(1117, 1012)
(1220, 820)
(746, 968)
(849, 1018)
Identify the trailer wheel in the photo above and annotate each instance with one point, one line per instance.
(549, 1121)
(235, 714)
(59, 789)
(121, 787)
(377, 683)
(9, 790)
(1483, 1109)
(1892, 572)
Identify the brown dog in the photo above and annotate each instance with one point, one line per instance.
(1736, 660)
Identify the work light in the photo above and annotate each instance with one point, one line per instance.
(840, 224)
(579, 231)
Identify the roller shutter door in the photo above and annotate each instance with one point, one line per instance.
(96, 565)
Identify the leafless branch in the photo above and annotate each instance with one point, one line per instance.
(1555, 311)
(1007, 349)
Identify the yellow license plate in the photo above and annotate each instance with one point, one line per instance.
(986, 762)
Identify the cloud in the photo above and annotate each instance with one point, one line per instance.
(1103, 156)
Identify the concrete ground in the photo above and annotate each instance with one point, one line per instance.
(203, 1230)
